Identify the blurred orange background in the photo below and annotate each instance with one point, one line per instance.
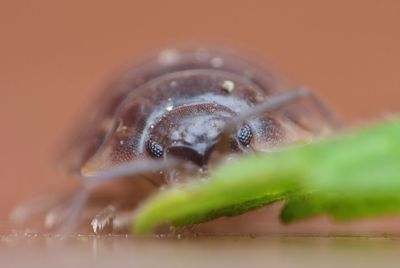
(55, 56)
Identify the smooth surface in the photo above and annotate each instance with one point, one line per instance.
(89, 251)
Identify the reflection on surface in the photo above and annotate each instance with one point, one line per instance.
(28, 250)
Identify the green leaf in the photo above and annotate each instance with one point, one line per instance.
(351, 176)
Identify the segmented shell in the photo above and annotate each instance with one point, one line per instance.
(197, 85)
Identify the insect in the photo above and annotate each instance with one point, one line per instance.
(178, 116)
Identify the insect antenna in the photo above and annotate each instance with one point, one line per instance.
(272, 104)
(130, 169)
(76, 204)
(79, 199)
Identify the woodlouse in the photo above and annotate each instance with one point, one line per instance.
(177, 116)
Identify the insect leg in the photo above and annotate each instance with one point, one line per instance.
(22, 213)
(104, 221)
(110, 220)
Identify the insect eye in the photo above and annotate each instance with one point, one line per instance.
(155, 149)
(244, 135)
